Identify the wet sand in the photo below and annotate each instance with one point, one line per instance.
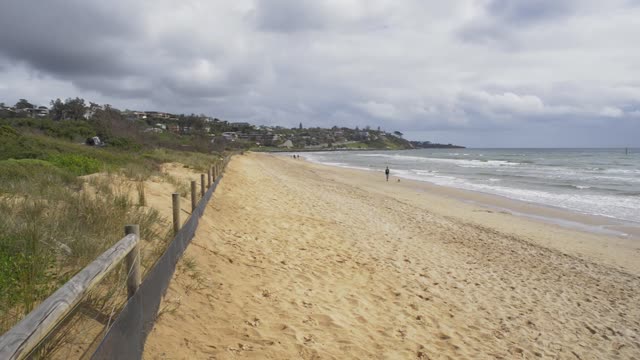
(297, 260)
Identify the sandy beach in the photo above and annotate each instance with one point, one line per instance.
(294, 260)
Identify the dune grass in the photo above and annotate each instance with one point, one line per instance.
(46, 237)
(54, 221)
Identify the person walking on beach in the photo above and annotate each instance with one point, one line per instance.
(386, 172)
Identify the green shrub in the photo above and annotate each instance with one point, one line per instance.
(124, 143)
(73, 130)
(8, 131)
(14, 145)
(31, 176)
(76, 164)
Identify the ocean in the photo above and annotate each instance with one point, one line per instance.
(604, 182)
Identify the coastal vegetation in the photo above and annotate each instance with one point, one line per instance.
(74, 119)
(62, 203)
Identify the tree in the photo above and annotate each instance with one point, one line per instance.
(57, 109)
(4, 112)
(75, 108)
(300, 126)
(109, 124)
(398, 133)
(24, 104)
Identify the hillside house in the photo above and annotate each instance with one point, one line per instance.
(173, 128)
(158, 115)
(230, 136)
(287, 144)
(36, 112)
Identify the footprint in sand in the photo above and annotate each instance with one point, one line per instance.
(241, 347)
(310, 321)
(325, 320)
(353, 301)
(308, 339)
(255, 322)
(421, 354)
(362, 319)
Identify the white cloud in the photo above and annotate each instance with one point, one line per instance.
(509, 102)
(611, 111)
(381, 110)
(414, 64)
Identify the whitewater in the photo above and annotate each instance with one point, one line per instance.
(602, 182)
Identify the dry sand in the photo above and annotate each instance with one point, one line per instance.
(294, 260)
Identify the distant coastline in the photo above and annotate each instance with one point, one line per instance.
(429, 145)
(413, 143)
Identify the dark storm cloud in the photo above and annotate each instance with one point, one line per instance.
(66, 37)
(417, 65)
(502, 18)
(112, 48)
(120, 87)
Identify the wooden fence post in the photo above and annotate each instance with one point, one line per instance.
(142, 201)
(133, 261)
(202, 185)
(194, 197)
(176, 212)
(209, 178)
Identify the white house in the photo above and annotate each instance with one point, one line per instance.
(288, 144)
(231, 136)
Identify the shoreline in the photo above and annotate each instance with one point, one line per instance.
(547, 214)
(482, 209)
(278, 151)
(299, 260)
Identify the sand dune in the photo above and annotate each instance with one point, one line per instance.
(298, 261)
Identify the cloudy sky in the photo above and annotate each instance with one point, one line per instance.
(487, 73)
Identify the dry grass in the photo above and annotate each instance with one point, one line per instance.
(46, 239)
(182, 187)
(53, 223)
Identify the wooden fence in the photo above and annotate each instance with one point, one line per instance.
(30, 332)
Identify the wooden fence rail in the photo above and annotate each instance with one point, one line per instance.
(20, 340)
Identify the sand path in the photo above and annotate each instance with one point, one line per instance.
(290, 262)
